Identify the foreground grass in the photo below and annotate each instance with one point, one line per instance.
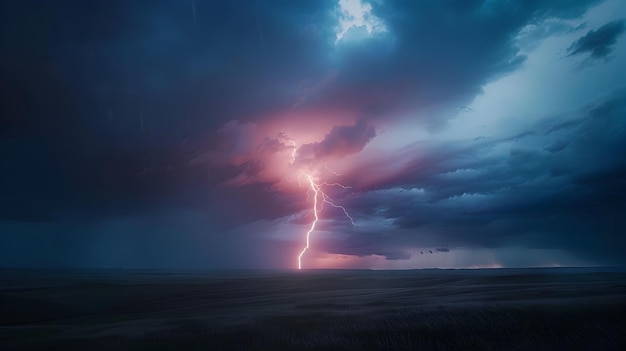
(486, 328)
(317, 310)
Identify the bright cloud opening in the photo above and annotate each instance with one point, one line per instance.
(356, 15)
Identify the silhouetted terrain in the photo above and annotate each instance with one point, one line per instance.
(503, 309)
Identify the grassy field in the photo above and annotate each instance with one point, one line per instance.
(501, 309)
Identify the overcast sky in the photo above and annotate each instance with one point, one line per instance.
(202, 134)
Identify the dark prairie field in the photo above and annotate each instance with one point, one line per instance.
(503, 309)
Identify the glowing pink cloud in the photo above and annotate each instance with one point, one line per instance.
(264, 154)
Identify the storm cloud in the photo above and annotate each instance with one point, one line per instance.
(514, 191)
(598, 43)
(196, 121)
(341, 141)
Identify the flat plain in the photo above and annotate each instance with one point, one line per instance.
(482, 309)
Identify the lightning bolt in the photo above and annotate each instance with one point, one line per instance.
(337, 184)
(294, 151)
(329, 201)
(319, 199)
(331, 171)
(316, 190)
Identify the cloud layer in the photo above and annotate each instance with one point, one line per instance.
(117, 113)
(598, 43)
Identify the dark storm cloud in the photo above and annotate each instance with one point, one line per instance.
(557, 146)
(424, 63)
(341, 141)
(121, 94)
(114, 88)
(237, 143)
(364, 244)
(532, 35)
(524, 192)
(598, 43)
(435, 54)
(109, 107)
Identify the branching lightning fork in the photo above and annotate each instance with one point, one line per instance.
(319, 199)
